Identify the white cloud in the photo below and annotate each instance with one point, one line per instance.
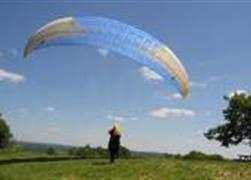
(174, 96)
(50, 109)
(10, 76)
(116, 118)
(149, 74)
(198, 84)
(166, 112)
(103, 52)
(119, 118)
(237, 92)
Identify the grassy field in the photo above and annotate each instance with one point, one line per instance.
(138, 169)
(27, 154)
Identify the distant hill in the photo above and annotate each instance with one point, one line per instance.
(41, 146)
(44, 146)
(147, 154)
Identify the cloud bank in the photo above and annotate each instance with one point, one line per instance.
(149, 74)
(119, 118)
(11, 76)
(174, 96)
(237, 92)
(166, 112)
(50, 109)
(103, 52)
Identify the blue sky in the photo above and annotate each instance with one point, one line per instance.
(70, 95)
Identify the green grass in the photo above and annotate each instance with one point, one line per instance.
(24, 154)
(9, 154)
(138, 169)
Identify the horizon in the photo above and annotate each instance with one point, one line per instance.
(73, 95)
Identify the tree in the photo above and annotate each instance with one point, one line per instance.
(237, 127)
(202, 156)
(5, 134)
(51, 151)
(72, 151)
(125, 152)
(85, 152)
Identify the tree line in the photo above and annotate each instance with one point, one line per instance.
(96, 152)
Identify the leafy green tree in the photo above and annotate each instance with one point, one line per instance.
(124, 152)
(101, 152)
(202, 156)
(72, 151)
(5, 134)
(85, 152)
(96, 152)
(237, 126)
(51, 151)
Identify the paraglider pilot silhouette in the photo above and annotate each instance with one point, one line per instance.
(114, 142)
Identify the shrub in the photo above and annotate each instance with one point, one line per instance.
(5, 134)
(202, 156)
(51, 151)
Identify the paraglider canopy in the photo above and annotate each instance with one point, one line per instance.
(112, 35)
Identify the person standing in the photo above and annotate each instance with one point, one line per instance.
(114, 142)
